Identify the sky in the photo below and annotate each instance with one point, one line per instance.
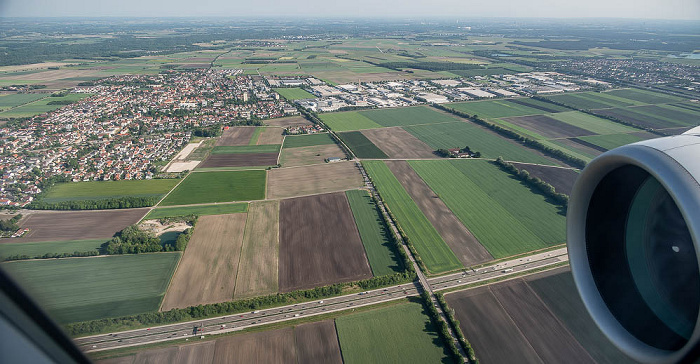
(642, 9)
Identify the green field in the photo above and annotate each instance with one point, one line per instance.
(491, 109)
(80, 289)
(294, 93)
(434, 252)
(582, 101)
(256, 135)
(611, 141)
(396, 334)
(404, 116)
(542, 105)
(14, 100)
(95, 190)
(348, 121)
(361, 146)
(461, 134)
(503, 214)
(200, 210)
(644, 96)
(224, 186)
(246, 149)
(297, 141)
(373, 232)
(40, 106)
(594, 124)
(48, 247)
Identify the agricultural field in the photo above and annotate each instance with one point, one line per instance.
(274, 346)
(207, 272)
(237, 135)
(257, 270)
(503, 214)
(37, 249)
(644, 96)
(405, 116)
(76, 225)
(40, 106)
(612, 141)
(14, 100)
(270, 136)
(199, 210)
(319, 243)
(313, 179)
(535, 319)
(287, 121)
(224, 160)
(593, 124)
(361, 146)
(493, 109)
(490, 145)
(297, 141)
(376, 239)
(645, 120)
(405, 333)
(460, 240)
(539, 105)
(432, 249)
(302, 156)
(348, 121)
(294, 93)
(80, 289)
(97, 190)
(225, 186)
(246, 149)
(398, 143)
(562, 179)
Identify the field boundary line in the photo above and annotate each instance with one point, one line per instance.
(170, 281)
(169, 192)
(514, 323)
(240, 254)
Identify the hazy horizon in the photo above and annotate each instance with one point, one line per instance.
(625, 9)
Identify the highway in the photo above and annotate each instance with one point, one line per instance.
(240, 321)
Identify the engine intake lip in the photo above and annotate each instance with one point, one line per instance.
(683, 188)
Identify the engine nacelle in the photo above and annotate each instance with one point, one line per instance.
(633, 229)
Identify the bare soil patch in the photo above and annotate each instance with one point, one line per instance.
(319, 243)
(316, 154)
(271, 136)
(75, 225)
(196, 353)
(207, 270)
(307, 180)
(288, 121)
(157, 228)
(157, 356)
(276, 346)
(237, 135)
(462, 242)
(317, 343)
(239, 160)
(581, 147)
(548, 127)
(588, 145)
(561, 179)
(398, 143)
(257, 271)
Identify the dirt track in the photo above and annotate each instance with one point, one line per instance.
(398, 143)
(462, 242)
(207, 270)
(75, 225)
(237, 135)
(239, 160)
(320, 178)
(319, 243)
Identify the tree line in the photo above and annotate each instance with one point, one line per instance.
(125, 202)
(454, 323)
(441, 326)
(134, 240)
(10, 225)
(524, 175)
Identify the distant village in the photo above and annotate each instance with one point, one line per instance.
(126, 127)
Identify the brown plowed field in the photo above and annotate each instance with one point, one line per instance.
(271, 136)
(520, 326)
(580, 147)
(308, 180)
(207, 270)
(75, 225)
(288, 121)
(561, 179)
(157, 356)
(121, 360)
(398, 143)
(196, 353)
(319, 243)
(317, 343)
(276, 346)
(589, 145)
(237, 135)
(462, 242)
(294, 157)
(239, 160)
(548, 127)
(257, 271)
